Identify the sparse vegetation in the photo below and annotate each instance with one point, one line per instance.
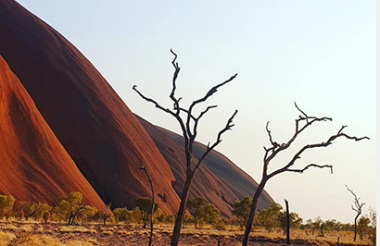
(145, 205)
(61, 234)
(45, 224)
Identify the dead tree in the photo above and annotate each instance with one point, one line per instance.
(302, 123)
(143, 168)
(189, 124)
(357, 209)
(287, 223)
(74, 215)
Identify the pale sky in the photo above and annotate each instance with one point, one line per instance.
(321, 54)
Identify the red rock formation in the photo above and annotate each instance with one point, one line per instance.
(219, 181)
(100, 133)
(34, 165)
(102, 136)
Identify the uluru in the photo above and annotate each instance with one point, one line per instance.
(102, 137)
(34, 164)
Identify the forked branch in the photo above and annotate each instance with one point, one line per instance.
(276, 148)
(311, 165)
(152, 101)
(312, 146)
(358, 206)
(228, 126)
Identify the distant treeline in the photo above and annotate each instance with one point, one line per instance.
(71, 209)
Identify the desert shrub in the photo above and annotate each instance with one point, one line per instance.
(110, 218)
(268, 218)
(188, 219)
(372, 230)
(220, 224)
(68, 205)
(145, 204)
(133, 216)
(332, 225)
(196, 209)
(39, 209)
(6, 237)
(241, 210)
(169, 219)
(22, 238)
(46, 217)
(295, 220)
(87, 214)
(211, 214)
(20, 210)
(120, 214)
(363, 227)
(6, 206)
(159, 216)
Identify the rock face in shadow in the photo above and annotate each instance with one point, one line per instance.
(34, 165)
(219, 181)
(102, 136)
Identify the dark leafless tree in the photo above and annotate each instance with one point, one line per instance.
(302, 123)
(287, 223)
(189, 125)
(358, 209)
(143, 168)
(74, 215)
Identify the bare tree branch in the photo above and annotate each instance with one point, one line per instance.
(276, 148)
(311, 165)
(317, 145)
(228, 126)
(214, 89)
(295, 104)
(274, 144)
(358, 205)
(196, 120)
(175, 76)
(152, 101)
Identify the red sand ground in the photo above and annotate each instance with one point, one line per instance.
(122, 235)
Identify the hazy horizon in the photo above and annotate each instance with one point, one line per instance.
(321, 55)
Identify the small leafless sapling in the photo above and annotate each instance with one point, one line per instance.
(302, 123)
(189, 126)
(358, 209)
(143, 168)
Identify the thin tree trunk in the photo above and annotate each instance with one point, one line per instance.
(73, 216)
(181, 212)
(151, 220)
(152, 206)
(287, 223)
(255, 198)
(355, 226)
(105, 216)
